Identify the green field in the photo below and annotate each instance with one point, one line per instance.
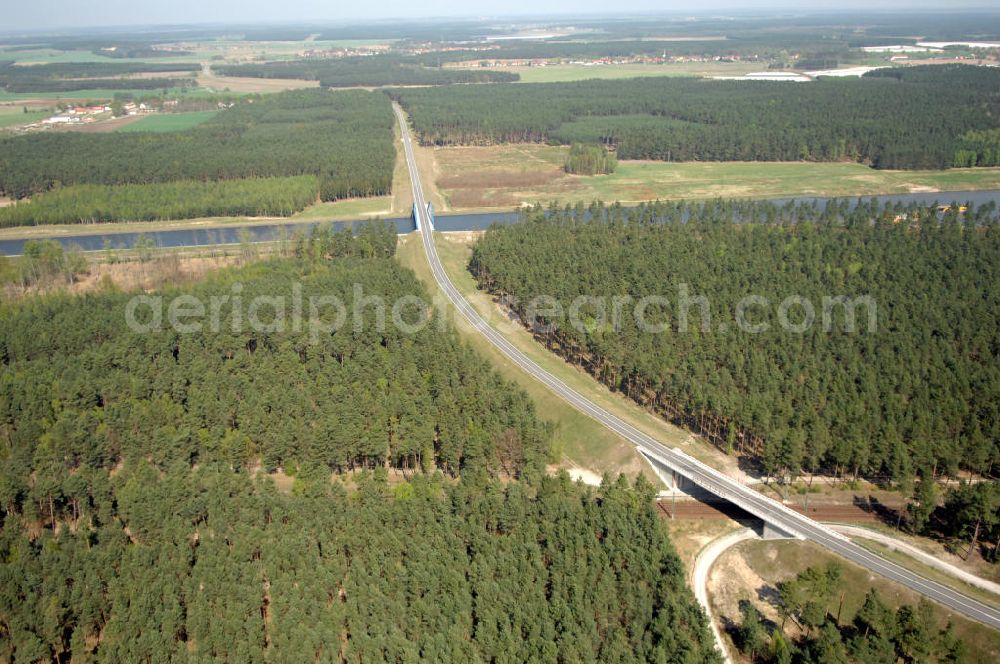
(168, 121)
(642, 180)
(101, 94)
(51, 55)
(505, 176)
(15, 115)
(349, 208)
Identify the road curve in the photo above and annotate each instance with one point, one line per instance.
(699, 579)
(708, 478)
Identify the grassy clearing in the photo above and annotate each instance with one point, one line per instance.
(582, 441)
(690, 536)
(773, 561)
(402, 193)
(164, 122)
(351, 208)
(510, 175)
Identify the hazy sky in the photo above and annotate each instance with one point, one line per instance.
(42, 14)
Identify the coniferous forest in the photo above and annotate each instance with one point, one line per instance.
(345, 140)
(93, 203)
(917, 117)
(167, 495)
(919, 391)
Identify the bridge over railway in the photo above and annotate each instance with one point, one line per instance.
(777, 516)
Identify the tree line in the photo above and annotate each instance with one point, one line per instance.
(345, 140)
(365, 71)
(94, 203)
(42, 262)
(590, 159)
(919, 390)
(917, 118)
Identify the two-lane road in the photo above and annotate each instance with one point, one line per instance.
(708, 478)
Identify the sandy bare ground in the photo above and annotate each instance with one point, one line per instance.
(588, 477)
(103, 126)
(165, 270)
(721, 581)
(718, 585)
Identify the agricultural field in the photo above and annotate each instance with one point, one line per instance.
(248, 84)
(504, 176)
(97, 94)
(53, 56)
(11, 116)
(164, 122)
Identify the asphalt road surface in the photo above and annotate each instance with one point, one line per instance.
(771, 511)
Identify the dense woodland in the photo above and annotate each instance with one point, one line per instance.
(92, 203)
(921, 391)
(139, 522)
(211, 565)
(365, 71)
(65, 77)
(876, 634)
(344, 139)
(918, 117)
(353, 400)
